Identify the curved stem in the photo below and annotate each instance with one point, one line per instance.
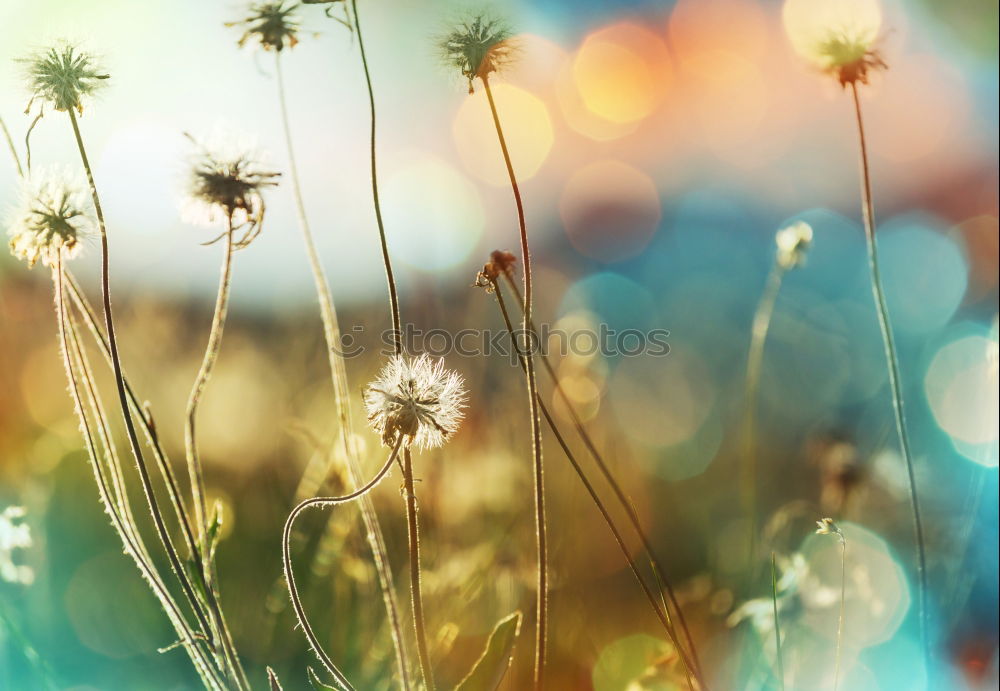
(661, 612)
(151, 499)
(413, 534)
(338, 371)
(755, 359)
(657, 566)
(541, 622)
(892, 360)
(286, 560)
(126, 533)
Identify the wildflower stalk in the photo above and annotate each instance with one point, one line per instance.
(777, 625)
(151, 499)
(868, 213)
(541, 621)
(657, 566)
(198, 388)
(10, 146)
(338, 371)
(755, 358)
(412, 520)
(662, 613)
(843, 604)
(286, 559)
(189, 638)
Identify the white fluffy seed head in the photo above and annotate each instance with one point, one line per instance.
(52, 217)
(416, 398)
(792, 244)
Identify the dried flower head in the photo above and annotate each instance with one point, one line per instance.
(416, 398)
(501, 263)
(477, 47)
(63, 77)
(792, 244)
(14, 534)
(837, 36)
(270, 25)
(225, 183)
(52, 217)
(826, 526)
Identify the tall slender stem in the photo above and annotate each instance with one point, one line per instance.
(416, 596)
(286, 560)
(662, 613)
(338, 373)
(623, 499)
(755, 359)
(843, 604)
(188, 638)
(777, 625)
(868, 212)
(393, 296)
(133, 438)
(10, 145)
(198, 388)
(541, 620)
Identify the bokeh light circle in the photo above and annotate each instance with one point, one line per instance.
(527, 129)
(610, 210)
(962, 391)
(621, 72)
(433, 214)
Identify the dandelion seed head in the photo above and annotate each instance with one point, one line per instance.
(792, 244)
(63, 76)
(836, 36)
(269, 25)
(477, 47)
(826, 526)
(416, 398)
(226, 179)
(14, 534)
(52, 217)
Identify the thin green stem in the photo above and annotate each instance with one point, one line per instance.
(286, 560)
(13, 151)
(868, 212)
(134, 445)
(777, 625)
(338, 373)
(662, 613)
(623, 499)
(541, 621)
(755, 359)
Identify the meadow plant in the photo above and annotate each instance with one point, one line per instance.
(840, 38)
(478, 48)
(826, 526)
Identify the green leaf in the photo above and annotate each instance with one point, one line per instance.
(317, 684)
(272, 680)
(492, 665)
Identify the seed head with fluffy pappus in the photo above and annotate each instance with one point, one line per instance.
(477, 47)
(792, 244)
(270, 25)
(837, 36)
(52, 217)
(225, 182)
(63, 76)
(416, 398)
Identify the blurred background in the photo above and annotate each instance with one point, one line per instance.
(660, 146)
